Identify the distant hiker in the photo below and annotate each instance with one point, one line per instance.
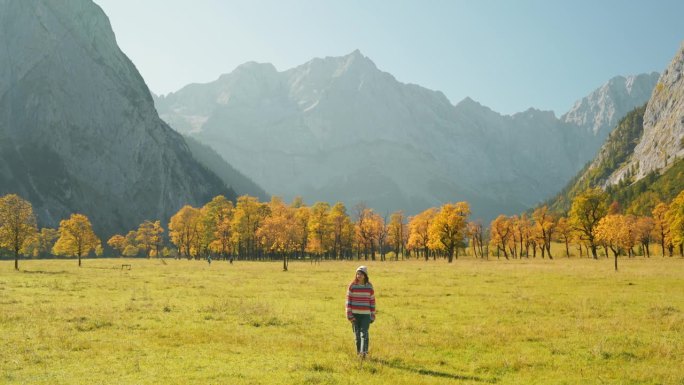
(361, 309)
(209, 259)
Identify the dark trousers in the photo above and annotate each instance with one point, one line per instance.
(360, 326)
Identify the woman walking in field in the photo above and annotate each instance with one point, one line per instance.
(361, 308)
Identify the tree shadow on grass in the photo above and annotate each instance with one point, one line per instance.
(396, 364)
(44, 272)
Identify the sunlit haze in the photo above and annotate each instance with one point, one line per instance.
(507, 55)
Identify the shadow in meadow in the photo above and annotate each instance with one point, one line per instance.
(44, 272)
(397, 364)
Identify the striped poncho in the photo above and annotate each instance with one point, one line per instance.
(360, 300)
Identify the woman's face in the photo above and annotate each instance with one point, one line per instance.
(360, 277)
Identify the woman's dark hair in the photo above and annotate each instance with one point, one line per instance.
(365, 275)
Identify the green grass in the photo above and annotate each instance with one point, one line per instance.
(524, 321)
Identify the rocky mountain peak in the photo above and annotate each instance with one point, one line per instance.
(663, 137)
(600, 111)
(80, 132)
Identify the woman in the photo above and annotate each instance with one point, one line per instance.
(361, 308)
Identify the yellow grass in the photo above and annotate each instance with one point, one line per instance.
(524, 321)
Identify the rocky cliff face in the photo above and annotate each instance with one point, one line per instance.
(79, 130)
(600, 111)
(662, 140)
(339, 129)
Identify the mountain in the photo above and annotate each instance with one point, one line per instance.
(662, 141)
(340, 129)
(600, 111)
(641, 161)
(230, 176)
(79, 131)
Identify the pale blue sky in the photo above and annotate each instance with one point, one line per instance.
(508, 55)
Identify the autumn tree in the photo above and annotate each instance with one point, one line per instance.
(149, 237)
(586, 211)
(564, 233)
(302, 213)
(320, 229)
(17, 224)
(616, 231)
(524, 229)
(183, 229)
(476, 234)
(644, 233)
(397, 233)
(419, 226)
(276, 233)
(367, 230)
(501, 234)
(76, 238)
(45, 240)
(218, 216)
(661, 228)
(545, 225)
(383, 234)
(448, 228)
(675, 219)
(342, 229)
(247, 217)
(118, 243)
(516, 235)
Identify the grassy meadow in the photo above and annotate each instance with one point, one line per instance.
(566, 321)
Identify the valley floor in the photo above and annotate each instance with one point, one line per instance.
(529, 321)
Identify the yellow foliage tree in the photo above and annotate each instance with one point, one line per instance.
(320, 229)
(448, 228)
(616, 231)
(118, 243)
(367, 230)
(661, 229)
(342, 229)
(545, 225)
(419, 237)
(183, 229)
(397, 233)
(476, 234)
(76, 238)
(17, 224)
(501, 230)
(586, 211)
(149, 237)
(219, 215)
(249, 213)
(564, 233)
(675, 219)
(277, 231)
(644, 233)
(45, 241)
(301, 230)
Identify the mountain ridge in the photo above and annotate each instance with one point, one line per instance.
(299, 119)
(80, 130)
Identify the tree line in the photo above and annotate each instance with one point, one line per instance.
(252, 230)
(593, 223)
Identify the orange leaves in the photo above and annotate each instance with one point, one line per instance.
(76, 237)
(448, 228)
(17, 224)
